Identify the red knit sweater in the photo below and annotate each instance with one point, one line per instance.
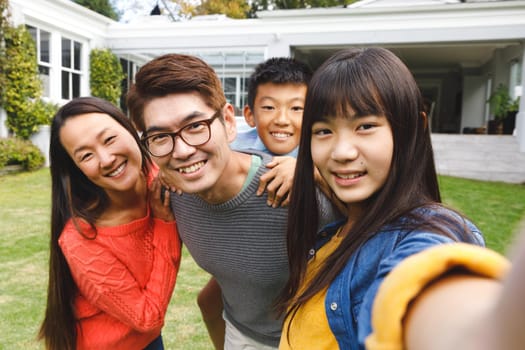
(125, 277)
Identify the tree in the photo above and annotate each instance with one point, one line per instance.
(103, 7)
(260, 5)
(231, 8)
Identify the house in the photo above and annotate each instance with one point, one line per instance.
(458, 51)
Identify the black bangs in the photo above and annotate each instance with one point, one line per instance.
(332, 94)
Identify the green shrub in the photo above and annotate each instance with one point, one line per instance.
(4, 25)
(23, 87)
(106, 75)
(14, 150)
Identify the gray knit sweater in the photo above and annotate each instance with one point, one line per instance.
(242, 243)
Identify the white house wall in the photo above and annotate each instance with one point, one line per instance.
(473, 106)
(63, 18)
(442, 41)
(361, 26)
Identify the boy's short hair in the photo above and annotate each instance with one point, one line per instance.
(173, 73)
(277, 70)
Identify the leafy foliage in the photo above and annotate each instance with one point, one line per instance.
(14, 150)
(4, 24)
(232, 9)
(244, 9)
(23, 88)
(260, 5)
(501, 103)
(100, 6)
(106, 75)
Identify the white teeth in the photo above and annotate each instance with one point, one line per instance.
(117, 171)
(191, 168)
(350, 176)
(280, 134)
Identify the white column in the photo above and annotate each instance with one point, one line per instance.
(520, 117)
(41, 139)
(3, 123)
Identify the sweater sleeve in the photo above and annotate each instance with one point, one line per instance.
(108, 284)
(412, 275)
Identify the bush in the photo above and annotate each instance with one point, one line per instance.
(106, 75)
(23, 87)
(22, 152)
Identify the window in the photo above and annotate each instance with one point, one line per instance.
(234, 69)
(235, 91)
(43, 45)
(130, 68)
(71, 68)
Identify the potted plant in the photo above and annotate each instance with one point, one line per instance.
(500, 104)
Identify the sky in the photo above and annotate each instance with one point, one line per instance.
(132, 9)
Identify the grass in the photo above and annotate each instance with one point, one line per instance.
(496, 208)
(24, 240)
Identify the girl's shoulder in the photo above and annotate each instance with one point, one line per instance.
(439, 219)
(76, 230)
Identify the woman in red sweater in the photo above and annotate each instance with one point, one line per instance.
(115, 251)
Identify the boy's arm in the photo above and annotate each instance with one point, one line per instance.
(278, 181)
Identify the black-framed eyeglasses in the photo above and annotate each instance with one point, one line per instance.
(196, 133)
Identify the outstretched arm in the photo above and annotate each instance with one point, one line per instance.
(443, 297)
(466, 308)
(475, 313)
(453, 313)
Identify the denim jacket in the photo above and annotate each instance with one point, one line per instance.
(350, 297)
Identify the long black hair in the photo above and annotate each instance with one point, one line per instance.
(73, 196)
(371, 81)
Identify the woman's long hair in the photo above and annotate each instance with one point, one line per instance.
(73, 196)
(370, 81)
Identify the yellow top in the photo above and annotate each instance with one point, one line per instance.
(309, 328)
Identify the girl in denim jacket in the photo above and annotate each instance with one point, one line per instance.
(402, 270)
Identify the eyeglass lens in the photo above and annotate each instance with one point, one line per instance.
(194, 134)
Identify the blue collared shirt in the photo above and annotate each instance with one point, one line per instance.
(247, 138)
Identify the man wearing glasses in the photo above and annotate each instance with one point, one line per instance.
(178, 104)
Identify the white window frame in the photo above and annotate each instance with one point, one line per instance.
(43, 65)
(71, 71)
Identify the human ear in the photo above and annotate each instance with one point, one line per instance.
(425, 119)
(228, 114)
(248, 116)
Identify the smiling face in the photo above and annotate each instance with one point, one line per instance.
(193, 169)
(278, 115)
(103, 150)
(353, 155)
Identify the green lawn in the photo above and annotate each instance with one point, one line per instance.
(24, 212)
(24, 234)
